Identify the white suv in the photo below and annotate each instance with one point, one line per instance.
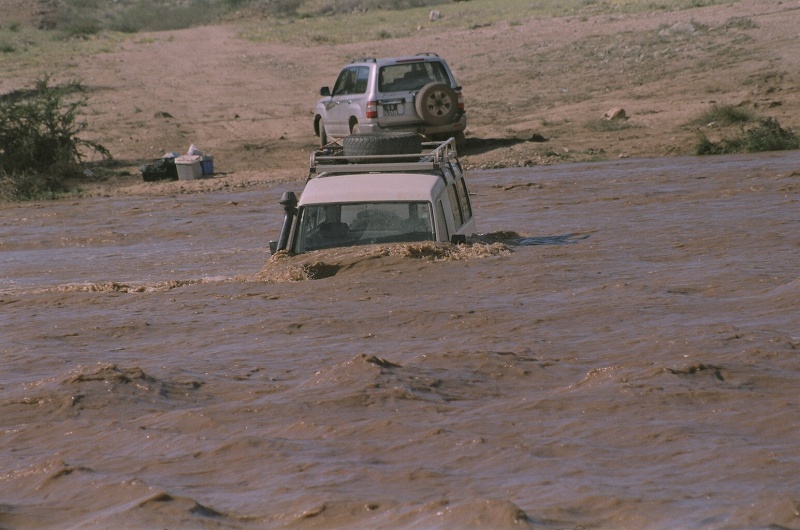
(409, 191)
(412, 94)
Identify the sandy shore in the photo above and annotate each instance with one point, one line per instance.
(249, 103)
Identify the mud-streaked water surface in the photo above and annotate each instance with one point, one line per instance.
(621, 351)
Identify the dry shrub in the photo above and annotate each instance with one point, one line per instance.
(40, 146)
(767, 135)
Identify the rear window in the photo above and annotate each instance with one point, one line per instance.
(407, 77)
(343, 225)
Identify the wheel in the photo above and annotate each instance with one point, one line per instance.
(436, 104)
(382, 144)
(460, 140)
(323, 135)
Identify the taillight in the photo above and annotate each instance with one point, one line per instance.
(372, 109)
(460, 101)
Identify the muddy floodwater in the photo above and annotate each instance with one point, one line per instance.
(621, 350)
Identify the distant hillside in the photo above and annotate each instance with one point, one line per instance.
(86, 17)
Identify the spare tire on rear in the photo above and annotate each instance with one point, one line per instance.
(436, 104)
(398, 143)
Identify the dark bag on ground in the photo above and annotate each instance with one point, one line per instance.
(161, 169)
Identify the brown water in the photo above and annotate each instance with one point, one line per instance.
(629, 357)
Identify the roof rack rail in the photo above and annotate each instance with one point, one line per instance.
(364, 60)
(428, 54)
(331, 160)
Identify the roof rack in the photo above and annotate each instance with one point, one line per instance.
(331, 160)
(374, 60)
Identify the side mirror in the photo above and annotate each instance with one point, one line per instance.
(325, 91)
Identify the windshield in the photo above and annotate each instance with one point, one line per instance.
(344, 225)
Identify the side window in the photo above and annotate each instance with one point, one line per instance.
(444, 229)
(308, 219)
(346, 82)
(439, 74)
(466, 206)
(454, 205)
(362, 77)
(338, 87)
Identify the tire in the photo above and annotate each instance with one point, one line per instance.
(382, 144)
(460, 140)
(436, 104)
(323, 135)
(457, 135)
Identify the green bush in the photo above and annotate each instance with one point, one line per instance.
(725, 115)
(152, 15)
(348, 6)
(81, 25)
(740, 23)
(39, 144)
(281, 7)
(768, 135)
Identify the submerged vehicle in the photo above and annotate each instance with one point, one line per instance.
(378, 188)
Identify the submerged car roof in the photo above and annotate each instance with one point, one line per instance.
(372, 187)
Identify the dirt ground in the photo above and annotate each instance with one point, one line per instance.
(536, 90)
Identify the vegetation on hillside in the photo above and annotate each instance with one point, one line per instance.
(89, 17)
(766, 135)
(756, 133)
(83, 18)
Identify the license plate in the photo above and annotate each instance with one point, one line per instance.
(390, 109)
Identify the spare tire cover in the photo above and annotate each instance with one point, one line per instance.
(436, 104)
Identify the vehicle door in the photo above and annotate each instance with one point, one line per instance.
(348, 99)
(398, 85)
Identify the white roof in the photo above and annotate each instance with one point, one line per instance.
(372, 187)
